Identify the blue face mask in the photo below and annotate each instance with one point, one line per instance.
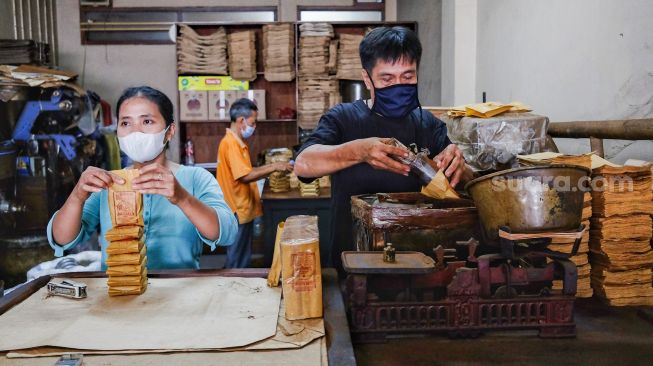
(248, 131)
(395, 101)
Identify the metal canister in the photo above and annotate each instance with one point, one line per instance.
(389, 253)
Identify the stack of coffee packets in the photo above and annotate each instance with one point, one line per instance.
(126, 252)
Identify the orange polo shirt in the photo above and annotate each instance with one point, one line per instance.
(233, 164)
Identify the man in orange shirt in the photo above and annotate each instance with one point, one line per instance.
(238, 179)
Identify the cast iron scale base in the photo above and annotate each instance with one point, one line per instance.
(509, 289)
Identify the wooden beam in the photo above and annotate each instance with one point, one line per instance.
(625, 129)
(596, 145)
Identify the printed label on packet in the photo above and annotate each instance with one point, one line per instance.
(303, 265)
(125, 205)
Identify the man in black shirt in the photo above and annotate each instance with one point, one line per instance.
(349, 140)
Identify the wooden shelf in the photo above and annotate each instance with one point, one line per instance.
(271, 132)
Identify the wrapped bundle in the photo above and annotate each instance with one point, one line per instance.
(126, 253)
(301, 273)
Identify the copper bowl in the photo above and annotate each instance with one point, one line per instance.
(547, 198)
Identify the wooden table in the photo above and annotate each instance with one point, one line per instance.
(279, 206)
(339, 347)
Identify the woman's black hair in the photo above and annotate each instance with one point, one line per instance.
(389, 44)
(154, 96)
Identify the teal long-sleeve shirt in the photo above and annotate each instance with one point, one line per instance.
(172, 240)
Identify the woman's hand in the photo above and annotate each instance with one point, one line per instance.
(158, 179)
(94, 180)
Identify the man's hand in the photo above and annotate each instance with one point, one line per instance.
(283, 167)
(451, 159)
(376, 153)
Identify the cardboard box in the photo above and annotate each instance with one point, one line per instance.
(258, 97)
(193, 106)
(206, 83)
(220, 102)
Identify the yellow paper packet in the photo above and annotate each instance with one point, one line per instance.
(439, 187)
(124, 233)
(125, 204)
(125, 246)
(126, 259)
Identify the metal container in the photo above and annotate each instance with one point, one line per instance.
(19, 253)
(545, 198)
(353, 90)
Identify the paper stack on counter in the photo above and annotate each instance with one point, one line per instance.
(279, 181)
(126, 252)
(311, 189)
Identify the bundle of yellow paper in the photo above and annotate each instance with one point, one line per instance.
(620, 235)
(126, 253)
(487, 109)
(311, 189)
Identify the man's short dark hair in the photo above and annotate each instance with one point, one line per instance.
(389, 44)
(243, 107)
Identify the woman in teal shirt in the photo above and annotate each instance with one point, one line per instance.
(183, 207)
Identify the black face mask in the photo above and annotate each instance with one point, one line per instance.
(395, 101)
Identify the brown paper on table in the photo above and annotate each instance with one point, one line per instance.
(439, 187)
(174, 314)
(290, 334)
(125, 246)
(314, 353)
(275, 269)
(301, 273)
(125, 204)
